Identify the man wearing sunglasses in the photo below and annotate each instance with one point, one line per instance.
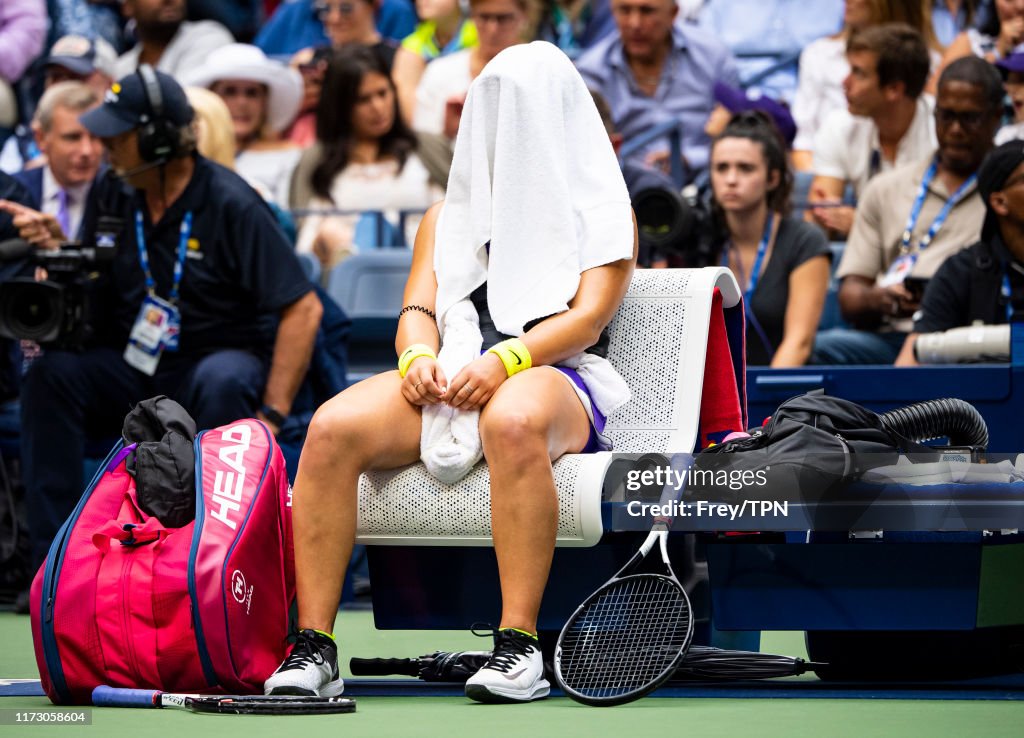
(910, 220)
(984, 283)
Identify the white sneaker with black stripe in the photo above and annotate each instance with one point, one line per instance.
(514, 673)
(311, 669)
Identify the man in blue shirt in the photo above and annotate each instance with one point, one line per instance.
(653, 71)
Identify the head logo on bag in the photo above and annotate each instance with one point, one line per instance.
(241, 593)
(228, 485)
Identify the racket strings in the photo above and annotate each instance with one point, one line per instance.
(627, 637)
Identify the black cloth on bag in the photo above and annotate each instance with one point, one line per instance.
(164, 462)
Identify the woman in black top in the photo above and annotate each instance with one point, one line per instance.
(780, 262)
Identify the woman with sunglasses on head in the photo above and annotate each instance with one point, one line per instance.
(263, 97)
(364, 159)
(781, 262)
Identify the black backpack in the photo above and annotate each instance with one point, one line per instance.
(812, 446)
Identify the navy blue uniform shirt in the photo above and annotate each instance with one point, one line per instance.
(239, 273)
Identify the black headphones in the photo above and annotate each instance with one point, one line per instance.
(158, 138)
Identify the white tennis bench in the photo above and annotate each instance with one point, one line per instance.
(659, 338)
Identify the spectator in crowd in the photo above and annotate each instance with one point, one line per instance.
(576, 25)
(781, 262)
(444, 29)
(364, 159)
(72, 58)
(245, 310)
(61, 186)
(215, 131)
(81, 59)
(167, 41)
(312, 66)
(950, 18)
(528, 113)
(1012, 69)
(1000, 35)
(22, 32)
(912, 218)
(823, 66)
(264, 97)
(352, 22)
(769, 34)
(442, 91)
(654, 71)
(215, 140)
(984, 283)
(297, 25)
(887, 122)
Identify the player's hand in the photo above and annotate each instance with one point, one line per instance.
(425, 382)
(476, 383)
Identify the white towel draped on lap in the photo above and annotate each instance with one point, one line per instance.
(450, 438)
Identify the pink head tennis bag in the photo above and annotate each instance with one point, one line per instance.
(124, 601)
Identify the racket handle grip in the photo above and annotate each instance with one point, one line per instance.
(384, 667)
(104, 696)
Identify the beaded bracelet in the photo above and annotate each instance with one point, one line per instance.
(422, 309)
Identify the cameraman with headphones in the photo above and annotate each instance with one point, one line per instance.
(203, 300)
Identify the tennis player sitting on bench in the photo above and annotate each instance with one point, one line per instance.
(536, 239)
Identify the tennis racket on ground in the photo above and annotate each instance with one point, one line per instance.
(629, 637)
(238, 704)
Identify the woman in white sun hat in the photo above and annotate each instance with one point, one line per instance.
(263, 97)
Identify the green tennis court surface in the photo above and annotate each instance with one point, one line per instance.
(456, 717)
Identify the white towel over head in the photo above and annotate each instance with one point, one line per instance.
(534, 175)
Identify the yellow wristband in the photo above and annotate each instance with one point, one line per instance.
(513, 354)
(411, 354)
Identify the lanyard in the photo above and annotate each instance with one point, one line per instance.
(179, 265)
(755, 276)
(940, 219)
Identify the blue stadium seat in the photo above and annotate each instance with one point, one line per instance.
(369, 287)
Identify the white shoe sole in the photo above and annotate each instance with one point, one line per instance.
(494, 695)
(331, 689)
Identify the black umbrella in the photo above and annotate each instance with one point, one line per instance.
(700, 663)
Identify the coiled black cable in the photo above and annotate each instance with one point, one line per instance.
(947, 417)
